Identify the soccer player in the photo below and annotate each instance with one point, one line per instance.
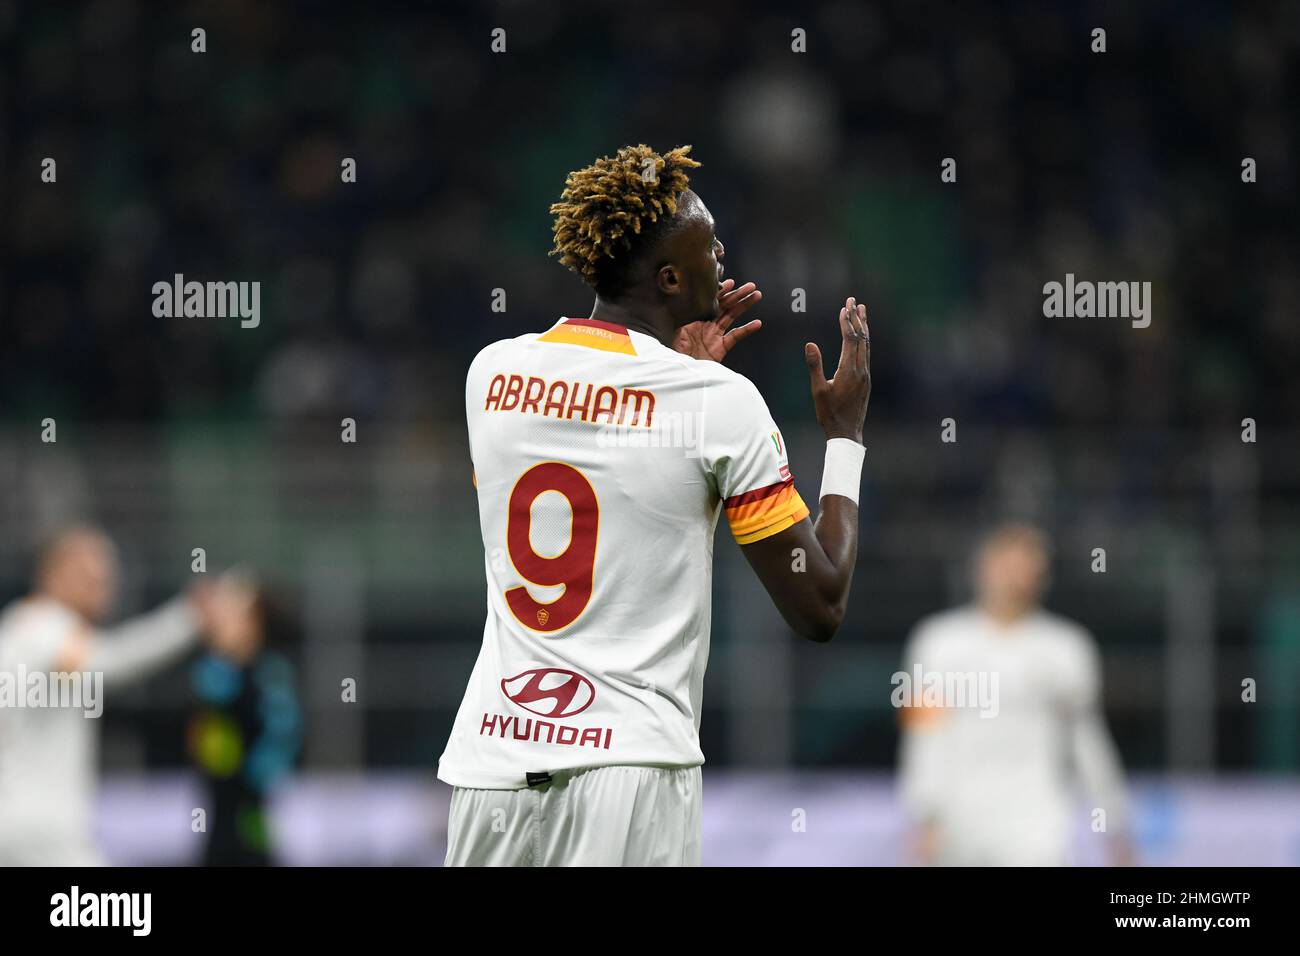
(995, 785)
(48, 753)
(604, 450)
(246, 731)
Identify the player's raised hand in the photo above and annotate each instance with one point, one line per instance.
(712, 340)
(841, 403)
(733, 302)
(223, 605)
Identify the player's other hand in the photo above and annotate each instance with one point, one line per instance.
(222, 606)
(841, 403)
(711, 340)
(925, 843)
(1123, 852)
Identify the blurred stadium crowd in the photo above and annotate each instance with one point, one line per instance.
(822, 171)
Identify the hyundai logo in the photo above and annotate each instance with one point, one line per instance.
(549, 692)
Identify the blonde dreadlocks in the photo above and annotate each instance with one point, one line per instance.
(614, 206)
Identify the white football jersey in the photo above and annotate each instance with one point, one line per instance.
(602, 460)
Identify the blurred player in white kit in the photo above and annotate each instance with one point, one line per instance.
(1000, 788)
(48, 754)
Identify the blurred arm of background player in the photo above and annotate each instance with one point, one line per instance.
(1096, 760)
(813, 601)
(135, 649)
(922, 762)
(78, 572)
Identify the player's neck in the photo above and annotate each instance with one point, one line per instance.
(646, 319)
(55, 596)
(1006, 615)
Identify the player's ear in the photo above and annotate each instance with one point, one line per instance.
(668, 279)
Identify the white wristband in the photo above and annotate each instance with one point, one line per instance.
(842, 473)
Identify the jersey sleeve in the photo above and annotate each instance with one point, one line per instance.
(746, 458)
(1095, 756)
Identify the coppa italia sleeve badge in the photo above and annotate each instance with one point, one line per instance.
(782, 467)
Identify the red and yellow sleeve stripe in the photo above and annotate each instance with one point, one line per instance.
(763, 512)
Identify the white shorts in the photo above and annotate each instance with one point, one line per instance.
(605, 816)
